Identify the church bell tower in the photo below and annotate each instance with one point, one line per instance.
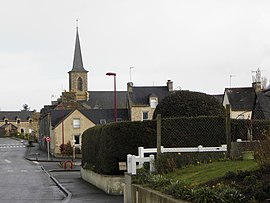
(78, 82)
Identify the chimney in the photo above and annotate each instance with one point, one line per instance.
(130, 87)
(170, 85)
(257, 86)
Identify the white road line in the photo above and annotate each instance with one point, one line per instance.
(10, 171)
(35, 162)
(37, 171)
(7, 161)
(24, 171)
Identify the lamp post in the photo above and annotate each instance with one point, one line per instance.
(115, 111)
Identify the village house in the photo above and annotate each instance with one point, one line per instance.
(79, 109)
(248, 102)
(18, 122)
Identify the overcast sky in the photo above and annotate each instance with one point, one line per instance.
(196, 44)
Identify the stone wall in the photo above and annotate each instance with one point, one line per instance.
(142, 195)
(113, 185)
(137, 112)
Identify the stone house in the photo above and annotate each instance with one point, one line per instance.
(241, 101)
(22, 122)
(248, 102)
(92, 108)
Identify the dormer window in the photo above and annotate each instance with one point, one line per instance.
(102, 121)
(153, 102)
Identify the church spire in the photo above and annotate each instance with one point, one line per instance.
(77, 60)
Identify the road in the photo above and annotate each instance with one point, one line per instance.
(22, 181)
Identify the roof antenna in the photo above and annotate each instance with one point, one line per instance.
(231, 80)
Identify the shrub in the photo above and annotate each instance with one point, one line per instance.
(66, 149)
(262, 154)
(106, 145)
(189, 104)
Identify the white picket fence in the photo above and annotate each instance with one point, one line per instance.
(132, 160)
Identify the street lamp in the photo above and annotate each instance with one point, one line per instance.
(114, 77)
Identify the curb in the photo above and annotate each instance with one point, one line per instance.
(65, 191)
(62, 170)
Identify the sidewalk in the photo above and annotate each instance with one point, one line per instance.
(69, 181)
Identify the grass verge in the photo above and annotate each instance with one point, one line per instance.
(200, 174)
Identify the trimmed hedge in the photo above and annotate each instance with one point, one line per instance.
(186, 103)
(105, 145)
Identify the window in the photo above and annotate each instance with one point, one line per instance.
(76, 123)
(79, 84)
(102, 121)
(145, 115)
(153, 102)
(77, 139)
(119, 119)
(18, 121)
(6, 121)
(30, 120)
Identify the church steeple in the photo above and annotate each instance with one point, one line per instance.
(78, 75)
(77, 60)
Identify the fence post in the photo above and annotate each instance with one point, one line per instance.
(152, 163)
(158, 135)
(228, 130)
(141, 156)
(129, 163)
(133, 165)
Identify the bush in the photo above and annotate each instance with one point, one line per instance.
(189, 104)
(105, 145)
(66, 149)
(262, 154)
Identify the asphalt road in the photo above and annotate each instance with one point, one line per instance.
(22, 181)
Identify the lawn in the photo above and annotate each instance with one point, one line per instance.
(199, 174)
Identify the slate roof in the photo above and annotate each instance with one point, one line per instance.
(105, 100)
(140, 95)
(241, 99)
(13, 115)
(92, 114)
(58, 115)
(77, 60)
(262, 108)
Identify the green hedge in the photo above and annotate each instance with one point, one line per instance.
(192, 132)
(105, 145)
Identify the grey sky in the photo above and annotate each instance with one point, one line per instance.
(197, 44)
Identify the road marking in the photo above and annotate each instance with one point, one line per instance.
(7, 161)
(10, 171)
(35, 162)
(14, 146)
(37, 171)
(24, 171)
